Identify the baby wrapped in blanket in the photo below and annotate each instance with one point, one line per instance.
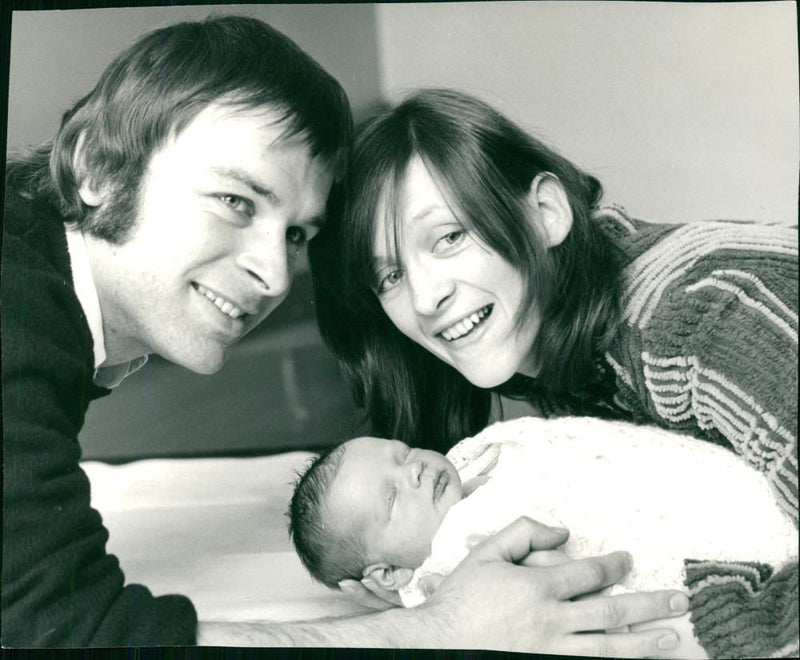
(398, 515)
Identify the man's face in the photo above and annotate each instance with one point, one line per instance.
(224, 210)
(393, 498)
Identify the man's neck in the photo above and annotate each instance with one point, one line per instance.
(112, 360)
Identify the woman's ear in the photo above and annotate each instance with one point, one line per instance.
(391, 578)
(550, 204)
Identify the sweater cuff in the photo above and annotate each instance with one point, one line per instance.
(743, 610)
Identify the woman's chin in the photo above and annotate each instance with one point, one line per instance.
(488, 379)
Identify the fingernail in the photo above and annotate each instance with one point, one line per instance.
(679, 603)
(560, 530)
(628, 561)
(668, 641)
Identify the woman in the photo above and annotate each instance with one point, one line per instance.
(464, 258)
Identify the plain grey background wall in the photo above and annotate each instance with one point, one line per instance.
(58, 56)
(685, 111)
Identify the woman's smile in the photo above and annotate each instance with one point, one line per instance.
(467, 325)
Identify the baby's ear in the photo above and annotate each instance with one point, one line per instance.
(391, 578)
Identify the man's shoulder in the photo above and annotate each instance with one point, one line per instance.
(37, 289)
(34, 236)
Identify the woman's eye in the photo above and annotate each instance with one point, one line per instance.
(390, 500)
(296, 236)
(449, 240)
(389, 281)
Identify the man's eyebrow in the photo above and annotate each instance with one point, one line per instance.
(243, 178)
(318, 221)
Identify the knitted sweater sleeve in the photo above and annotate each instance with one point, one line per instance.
(710, 347)
(59, 586)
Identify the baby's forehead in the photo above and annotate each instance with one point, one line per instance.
(371, 446)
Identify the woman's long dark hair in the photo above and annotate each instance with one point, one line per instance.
(485, 164)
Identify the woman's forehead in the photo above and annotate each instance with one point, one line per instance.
(407, 199)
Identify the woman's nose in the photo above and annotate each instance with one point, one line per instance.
(430, 288)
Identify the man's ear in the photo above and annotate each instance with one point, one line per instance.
(92, 192)
(550, 204)
(391, 578)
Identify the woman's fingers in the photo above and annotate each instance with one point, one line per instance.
(609, 612)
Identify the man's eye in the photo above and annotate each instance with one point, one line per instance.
(238, 204)
(296, 236)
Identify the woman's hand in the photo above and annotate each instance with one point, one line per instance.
(494, 601)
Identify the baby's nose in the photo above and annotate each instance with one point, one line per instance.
(416, 468)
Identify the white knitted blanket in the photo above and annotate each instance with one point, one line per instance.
(661, 496)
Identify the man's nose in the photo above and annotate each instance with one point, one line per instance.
(264, 255)
(430, 288)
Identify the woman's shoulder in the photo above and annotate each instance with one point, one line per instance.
(671, 262)
(664, 244)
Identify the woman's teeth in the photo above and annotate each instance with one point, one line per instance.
(224, 306)
(466, 325)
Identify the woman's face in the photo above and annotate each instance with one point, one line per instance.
(453, 295)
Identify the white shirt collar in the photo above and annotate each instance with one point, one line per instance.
(109, 376)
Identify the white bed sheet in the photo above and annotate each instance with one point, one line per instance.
(213, 529)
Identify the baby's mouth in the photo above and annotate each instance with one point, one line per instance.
(466, 325)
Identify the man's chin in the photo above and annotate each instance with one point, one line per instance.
(204, 365)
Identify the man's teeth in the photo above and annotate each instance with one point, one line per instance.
(224, 306)
(465, 326)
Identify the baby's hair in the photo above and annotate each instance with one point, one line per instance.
(329, 554)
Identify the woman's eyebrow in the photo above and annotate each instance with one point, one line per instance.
(425, 211)
(376, 263)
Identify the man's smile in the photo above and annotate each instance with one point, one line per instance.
(222, 304)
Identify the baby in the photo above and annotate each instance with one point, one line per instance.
(379, 509)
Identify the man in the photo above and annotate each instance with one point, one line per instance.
(165, 218)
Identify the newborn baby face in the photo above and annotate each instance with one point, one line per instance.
(393, 497)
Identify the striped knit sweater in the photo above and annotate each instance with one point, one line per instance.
(708, 346)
